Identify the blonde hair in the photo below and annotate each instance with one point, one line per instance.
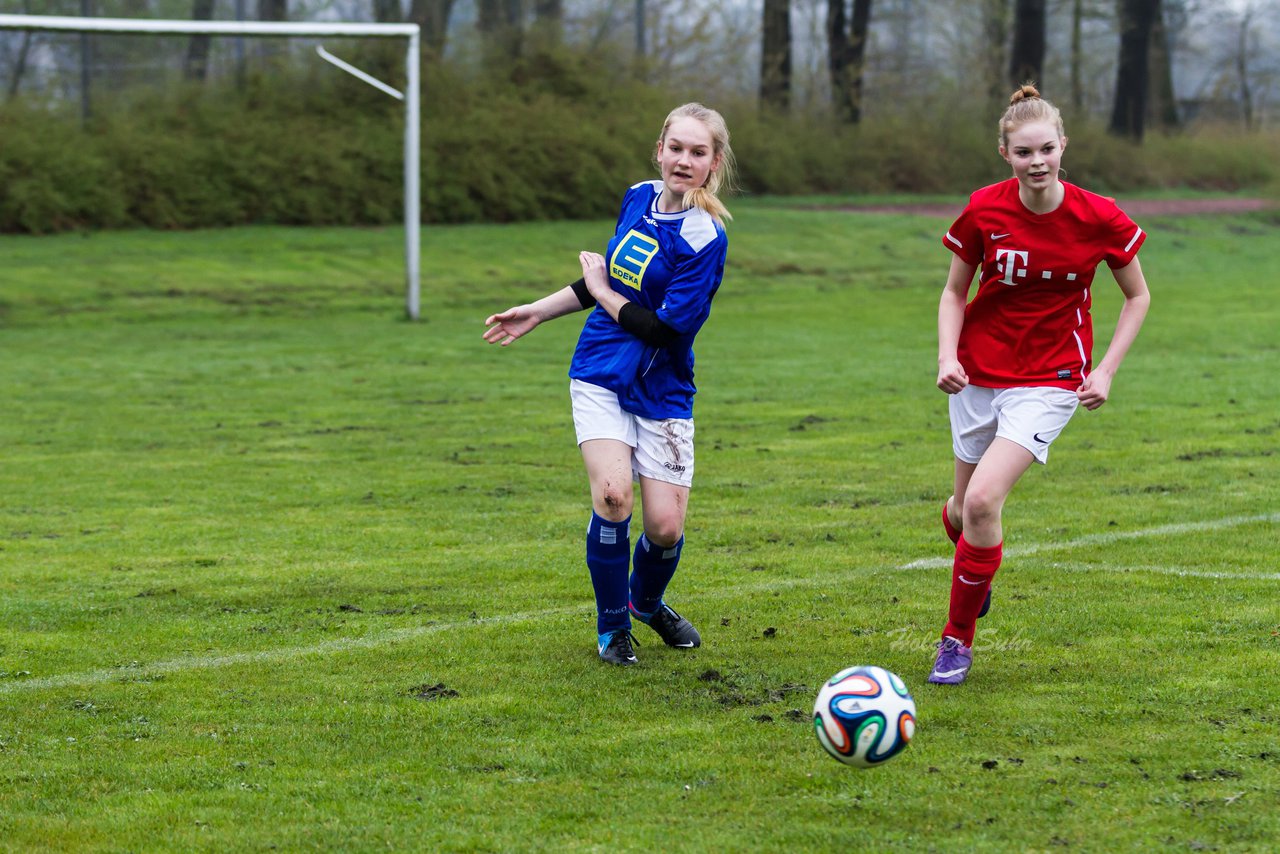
(706, 196)
(1026, 106)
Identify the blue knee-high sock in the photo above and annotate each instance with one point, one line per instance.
(608, 557)
(653, 567)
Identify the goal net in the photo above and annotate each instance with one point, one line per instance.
(279, 29)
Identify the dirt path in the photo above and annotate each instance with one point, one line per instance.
(1133, 207)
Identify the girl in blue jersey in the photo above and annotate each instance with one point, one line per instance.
(631, 379)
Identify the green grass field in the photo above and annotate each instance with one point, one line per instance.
(281, 570)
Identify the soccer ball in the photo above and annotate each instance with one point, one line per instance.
(864, 716)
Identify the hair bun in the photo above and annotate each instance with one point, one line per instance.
(1024, 92)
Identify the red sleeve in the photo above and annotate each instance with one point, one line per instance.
(964, 238)
(1121, 237)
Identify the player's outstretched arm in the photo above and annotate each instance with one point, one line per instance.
(517, 321)
(1096, 388)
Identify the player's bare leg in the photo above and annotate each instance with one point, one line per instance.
(981, 492)
(608, 463)
(982, 495)
(656, 558)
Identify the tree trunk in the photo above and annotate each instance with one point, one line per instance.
(20, 64)
(197, 67)
(433, 17)
(273, 10)
(548, 24)
(499, 25)
(387, 11)
(860, 27)
(87, 10)
(642, 35)
(1026, 59)
(1242, 68)
(1132, 80)
(995, 26)
(1077, 55)
(1162, 109)
(238, 47)
(775, 56)
(838, 50)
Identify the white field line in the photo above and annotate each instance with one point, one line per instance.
(1180, 571)
(1113, 537)
(392, 636)
(140, 672)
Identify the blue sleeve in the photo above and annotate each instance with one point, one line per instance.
(687, 301)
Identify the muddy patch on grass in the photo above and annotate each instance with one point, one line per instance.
(438, 691)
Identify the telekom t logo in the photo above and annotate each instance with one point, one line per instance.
(1007, 261)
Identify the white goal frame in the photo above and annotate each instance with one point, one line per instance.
(412, 219)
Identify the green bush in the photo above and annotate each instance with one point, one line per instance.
(556, 136)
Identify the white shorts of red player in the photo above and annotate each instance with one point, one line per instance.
(1030, 416)
(662, 449)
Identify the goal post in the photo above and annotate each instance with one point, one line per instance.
(138, 26)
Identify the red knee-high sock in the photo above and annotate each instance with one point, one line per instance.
(952, 531)
(971, 576)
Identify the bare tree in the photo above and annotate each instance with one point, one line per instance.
(500, 24)
(642, 34)
(1242, 58)
(995, 27)
(273, 10)
(197, 64)
(387, 11)
(88, 9)
(433, 17)
(20, 63)
(846, 56)
(1132, 76)
(1077, 55)
(1162, 106)
(1026, 57)
(775, 55)
(548, 23)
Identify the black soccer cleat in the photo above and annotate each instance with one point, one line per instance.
(674, 629)
(615, 648)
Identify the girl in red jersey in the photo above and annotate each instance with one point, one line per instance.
(1017, 360)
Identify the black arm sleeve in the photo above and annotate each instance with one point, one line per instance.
(645, 325)
(584, 296)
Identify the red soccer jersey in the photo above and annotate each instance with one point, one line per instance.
(1029, 324)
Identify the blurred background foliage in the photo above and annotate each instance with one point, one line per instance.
(548, 110)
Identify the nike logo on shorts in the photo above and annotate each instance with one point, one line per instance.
(1036, 436)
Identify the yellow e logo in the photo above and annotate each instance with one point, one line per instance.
(632, 257)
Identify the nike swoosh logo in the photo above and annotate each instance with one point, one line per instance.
(1036, 436)
(688, 645)
(943, 674)
(1000, 236)
(967, 581)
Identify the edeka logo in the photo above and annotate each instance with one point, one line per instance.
(632, 257)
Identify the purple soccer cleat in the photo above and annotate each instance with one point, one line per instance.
(953, 662)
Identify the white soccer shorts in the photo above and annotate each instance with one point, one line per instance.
(1030, 416)
(662, 449)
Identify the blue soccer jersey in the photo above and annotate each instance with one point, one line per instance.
(672, 264)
